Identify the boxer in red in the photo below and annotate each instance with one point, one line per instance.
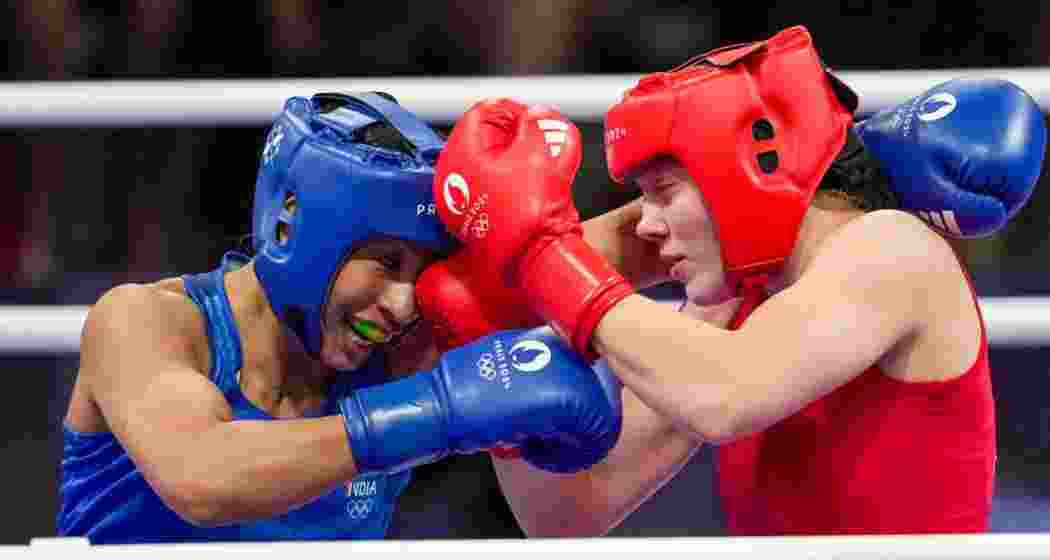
(840, 360)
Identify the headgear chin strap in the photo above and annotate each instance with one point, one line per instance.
(756, 126)
(346, 191)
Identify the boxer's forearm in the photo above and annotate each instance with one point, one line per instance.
(686, 370)
(648, 454)
(612, 235)
(247, 470)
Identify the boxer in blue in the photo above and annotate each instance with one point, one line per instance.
(255, 402)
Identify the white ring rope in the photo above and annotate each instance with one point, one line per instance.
(1002, 546)
(584, 97)
(41, 329)
(46, 329)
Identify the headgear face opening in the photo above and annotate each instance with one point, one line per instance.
(756, 126)
(346, 191)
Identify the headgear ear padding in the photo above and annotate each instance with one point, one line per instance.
(756, 126)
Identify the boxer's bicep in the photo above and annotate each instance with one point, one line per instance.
(140, 373)
(863, 293)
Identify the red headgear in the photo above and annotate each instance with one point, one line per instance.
(756, 126)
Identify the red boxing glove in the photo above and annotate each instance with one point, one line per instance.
(504, 187)
(465, 300)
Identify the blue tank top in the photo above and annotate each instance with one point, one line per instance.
(105, 498)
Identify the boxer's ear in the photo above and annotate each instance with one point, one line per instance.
(284, 225)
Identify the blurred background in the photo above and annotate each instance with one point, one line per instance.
(92, 208)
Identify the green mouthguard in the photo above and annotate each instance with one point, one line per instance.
(369, 331)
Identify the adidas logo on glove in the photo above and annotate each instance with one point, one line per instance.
(943, 220)
(555, 133)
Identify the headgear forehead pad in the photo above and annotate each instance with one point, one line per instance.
(347, 190)
(756, 126)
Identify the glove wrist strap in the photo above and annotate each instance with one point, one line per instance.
(572, 287)
(395, 426)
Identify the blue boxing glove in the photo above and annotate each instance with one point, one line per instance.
(521, 388)
(964, 156)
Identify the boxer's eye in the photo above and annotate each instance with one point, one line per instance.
(658, 192)
(390, 262)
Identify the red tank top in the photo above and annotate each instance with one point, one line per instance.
(877, 455)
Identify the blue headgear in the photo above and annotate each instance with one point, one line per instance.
(346, 191)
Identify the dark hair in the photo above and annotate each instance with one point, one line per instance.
(857, 176)
(379, 134)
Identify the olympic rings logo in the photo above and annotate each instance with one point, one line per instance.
(481, 225)
(359, 509)
(487, 367)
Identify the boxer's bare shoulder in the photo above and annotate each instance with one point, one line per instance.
(134, 327)
(159, 311)
(934, 282)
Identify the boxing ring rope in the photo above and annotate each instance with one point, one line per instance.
(583, 97)
(928, 547)
(54, 329)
